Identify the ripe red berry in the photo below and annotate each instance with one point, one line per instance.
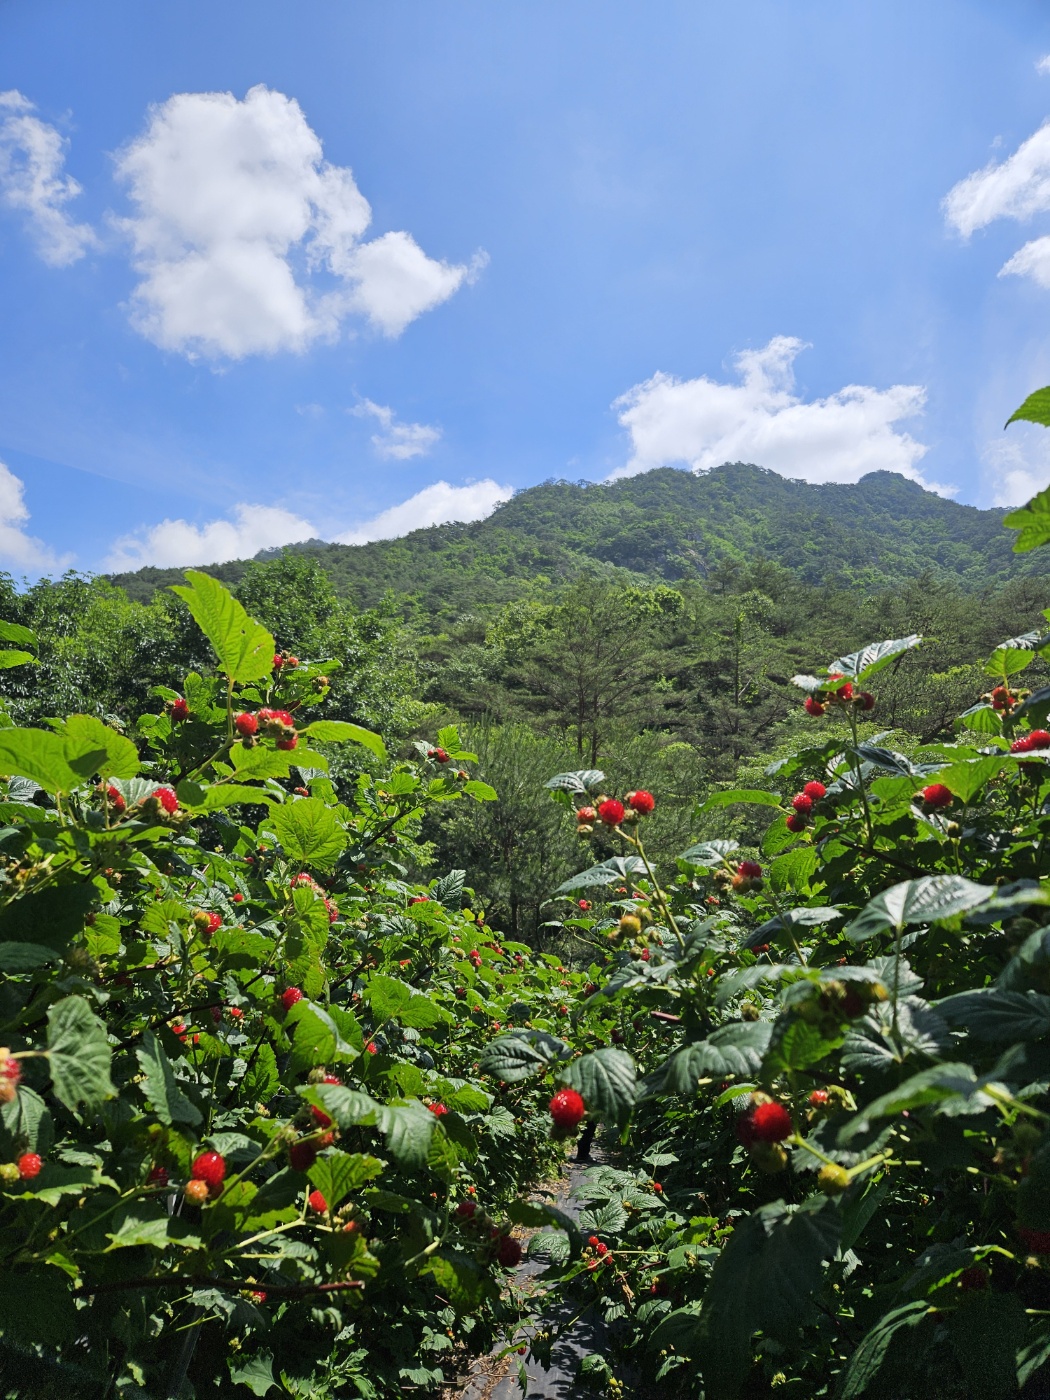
(802, 803)
(937, 795)
(214, 923)
(331, 1079)
(770, 1122)
(865, 700)
(796, 822)
(749, 869)
(180, 710)
(246, 725)
(567, 1109)
(465, 1210)
(1039, 739)
(812, 706)
(437, 1109)
(116, 799)
(815, 790)
(645, 955)
(236, 1013)
(29, 1165)
(291, 661)
(658, 1188)
(290, 996)
(371, 1048)
(278, 661)
(158, 1176)
(167, 799)
(440, 756)
(643, 802)
(302, 1156)
(586, 816)
(585, 904)
(611, 812)
(601, 1249)
(317, 1202)
(1021, 745)
(210, 1168)
(508, 1252)
(593, 1241)
(287, 743)
(321, 1117)
(419, 899)
(819, 1098)
(845, 692)
(238, 898)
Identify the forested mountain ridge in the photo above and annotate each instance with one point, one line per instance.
(667, 524)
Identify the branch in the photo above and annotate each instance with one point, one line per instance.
(278, 1290)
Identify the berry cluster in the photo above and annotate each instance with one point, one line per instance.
(278, 725)
(1036, 739)
(206, 923)
(838, 691)
(283, 662)
(761, 1129)
(803, 803)
(611, 812)
(748, 877)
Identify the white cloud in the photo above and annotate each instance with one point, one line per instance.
(1042, 65)
(32, 161)
(703, 422)
(434, 505)
(398, 440)
(177, 542)
(1018, 467)
(249, 242)
(17, 549)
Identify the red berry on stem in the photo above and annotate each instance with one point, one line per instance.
(802, 803)
(317, 1202)
(179, 710)
(865, 700)
(29, 1165)
(815, 790)
(796, 822)
(611, 812)
(1039, 739)
(643, 802)
(302, 1156)
(210, 1168)
(116, 799)
(567, 1109)
(246, 725)
(167, 799)
(586, 816)
(812, 706)
(819, 1098)
(321, 1117)
(465, 1210)
(937, 795)
(290, 996)
(508, 1251)
(770, 1122)
(158, 1176)
(749, 869)
(437, 1109)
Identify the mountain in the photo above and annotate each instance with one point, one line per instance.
(667, 524)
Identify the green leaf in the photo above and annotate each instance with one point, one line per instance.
(1035, 409)
(243, 648)
(86, 735)
(921, 901)
(220, 795)
(408, 1129)
(317, 1039)
(736, 1049)
(986, 1334)
(336, 1174)
(1033, 520)
(14, 632)
(982, 719)
(709, 853)
(516, 1057)
(763, 1281)
(24, 957)
(169, 1103)
(991, 1014)
(256, 1373)
(1007, 661)
(338, 731)
(50, 916)
(140, 1223)
(754, 796)
(966, 779)
(37, 1306)
(578, 782)
(15, 658)
(459, 1279)
(858, 665)
(481, 792)
(796, 1045)
(78, 1053)
(951, 1088)
(868, 1358)
(42, 756)
(309, 831)
(260, 762)
(790, 919)
(607, 1080)
(618, 868)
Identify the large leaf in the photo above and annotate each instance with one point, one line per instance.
(515, 1057)
(754, 797)
(244, 649)
(336, 1174)
(991, 1014)
(162, 1090)
(607, 1080)
(921, 901)
(577, 782)
(1033, 520)
(869, 1357)
(952, 1089)
(79, 1054)
(966, 779)
(1035, 409)
(734, 1050)
(618, 869)
(87, 735)
(986, 1335)
(14, 632)
(43, 756)
(858, 665)
(309, 831)
(338, 731)
(763, 1281)
(709, 853)
(317, 1037)
(789, 920)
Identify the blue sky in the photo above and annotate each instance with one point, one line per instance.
(577, 240)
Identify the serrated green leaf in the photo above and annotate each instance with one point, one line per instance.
(78, 1054)
(618, 868)
(925, 900)
(858, 665)
(516, 1057)
(336, 1174)
(243, 648)
(874, 1347)
(578, 782)
(310, 832)
(991, 1014)
(42, 756)
(607, 1081)
(87, 735)
(338, 731)
(752, 796)
(162, 1089)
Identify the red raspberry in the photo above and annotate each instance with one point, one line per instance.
(749, 869)
(238, 898)
(1039, 739)
(865, 700)
(258, 1295)
(167, 799)
(29, 1165)
(214, 924)
(180, 710)
(289, 743)
(438, 755)
(586, 816)
(116, 799)
(1021, 745)
(815, 790)
(643, 802)
(331, 1079)
(819, 1098)
(611, 812)
(584, 904)
(645, 955)
(276, 717)
(320, 1117)
(317, 1202)
(844, 692)
(658, 1188)
(802, 803)
(371, 1048)
(796, 822)
(290, 996)
(246, 725)
(937, 795)
(236, 1013)
(600, 1248)
(508, 1252)
(812, 705)
(419, 899)
(210, 1168)
(302, 1156)
(593, 1241)
(465, 1210)
(437, 1109)
(770, 1122)
(278, 661)
(567, 1109)
(10, 1077)
(158, 1176)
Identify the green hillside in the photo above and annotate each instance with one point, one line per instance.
(668, 525)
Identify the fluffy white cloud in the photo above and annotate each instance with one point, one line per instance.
(32, 162)
(434, 505)
(703, 422)
(18, 550)
(249, 242)
(1017, 188)
(1042, 65)
(1019, 466)
(177, 542)
(398, 440)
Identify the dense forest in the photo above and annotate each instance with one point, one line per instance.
(651, 625)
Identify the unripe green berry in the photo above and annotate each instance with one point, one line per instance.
(833, 1180)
